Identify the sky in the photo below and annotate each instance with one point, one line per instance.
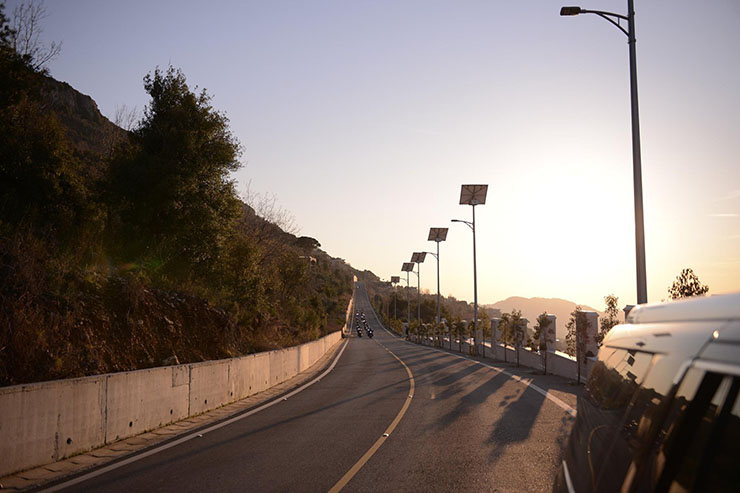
(364, 118)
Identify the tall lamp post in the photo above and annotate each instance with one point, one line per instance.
(437, 235)
(395, 280)
(408, 267)
(636, 155)
(473, 195)
(418, 258)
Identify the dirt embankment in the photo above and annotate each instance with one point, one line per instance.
(110, 324)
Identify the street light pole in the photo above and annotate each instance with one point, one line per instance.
(394, 281)
(408, 304)
(418, 329)
(408, 267)
(418, 293)
(637, 162)
(475, 290)
(437, 235)
(473, 195)
(636, 153)
(439, 310)
(418, 258)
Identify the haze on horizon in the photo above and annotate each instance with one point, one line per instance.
(364, 118)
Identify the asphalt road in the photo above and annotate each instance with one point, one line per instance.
(466, 427)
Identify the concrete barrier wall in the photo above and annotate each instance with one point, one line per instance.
(50, 421)
(137, 401)
(45, 422)
(557, 363)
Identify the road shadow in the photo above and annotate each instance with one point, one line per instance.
(564, 388)
(515, 425)
(449, 383)
(472, 399)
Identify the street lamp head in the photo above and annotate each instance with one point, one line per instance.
(570, 10)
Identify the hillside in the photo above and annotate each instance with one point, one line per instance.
(126, 250)
(532, 307)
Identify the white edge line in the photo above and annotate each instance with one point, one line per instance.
(517, 378)
(568, 481)
(186, 438)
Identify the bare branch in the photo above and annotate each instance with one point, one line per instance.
(125, 117)
(267, 207)
(26, 29)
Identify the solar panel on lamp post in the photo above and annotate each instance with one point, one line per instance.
(408, 267)
(473, 195)
(615, 19)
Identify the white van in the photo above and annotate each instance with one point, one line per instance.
(660, 411)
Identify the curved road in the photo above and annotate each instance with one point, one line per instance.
(466, 427)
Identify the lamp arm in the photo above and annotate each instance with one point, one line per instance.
(609, 16)
(468, 223)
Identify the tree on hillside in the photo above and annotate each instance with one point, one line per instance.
(687, 284)
(542, 333)
(307, 243)
(611, 319)
(172, 183)
(577, 337)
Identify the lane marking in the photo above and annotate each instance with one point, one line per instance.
(559, 402)
(199, 433)
(386, 434)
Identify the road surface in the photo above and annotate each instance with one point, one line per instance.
(453, 424)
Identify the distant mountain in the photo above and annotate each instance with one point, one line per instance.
(532, 307)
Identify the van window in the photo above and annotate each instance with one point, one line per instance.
(602, 412)
(700, 440)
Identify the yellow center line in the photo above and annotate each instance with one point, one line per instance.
(371, 451)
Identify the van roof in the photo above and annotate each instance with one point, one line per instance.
(718, 307)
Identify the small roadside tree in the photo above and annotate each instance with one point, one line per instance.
(577, 337)
(484, 323)
(518, 331)
(687, 284)
(397, 326)
(470, 334)
(413, 332)
(611, 319)
(542, 331)
(459, 329)
(504, 330)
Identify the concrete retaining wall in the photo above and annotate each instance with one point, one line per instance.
(45, 422)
